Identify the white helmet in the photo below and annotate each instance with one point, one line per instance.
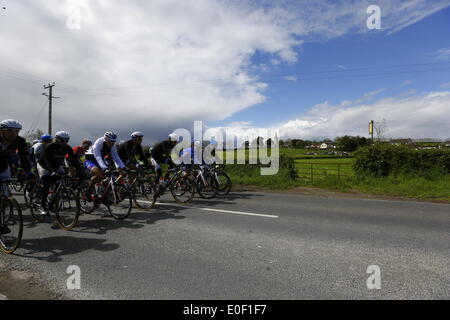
(10, 124)
(62, 135)
(173, 137)
(110, 136)
(137, 135)
(197, 144)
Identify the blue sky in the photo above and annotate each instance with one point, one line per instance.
(376, 49)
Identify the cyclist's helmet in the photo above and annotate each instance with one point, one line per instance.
(110, 136)
(137, 135)
(197, 144)
(63, 136)
(86, 142)
(36, 141)
(173, 137)
(46, 137)
(10, 124)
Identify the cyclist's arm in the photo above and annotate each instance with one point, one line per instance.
(116, 157)
(97, 151)
(23, 155)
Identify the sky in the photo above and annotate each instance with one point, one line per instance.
(306, 69)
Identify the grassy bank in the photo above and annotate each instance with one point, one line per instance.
(296, 173)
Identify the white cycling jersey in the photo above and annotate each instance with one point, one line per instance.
(99, 150)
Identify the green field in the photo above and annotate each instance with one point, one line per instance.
(321, 168)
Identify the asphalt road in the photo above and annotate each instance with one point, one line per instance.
(249, 245)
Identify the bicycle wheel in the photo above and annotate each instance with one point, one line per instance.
(119, 202)
(223, 182)
(144, 194)
(11, 218)
(66, 207)
(182, 189)
(35, 203)
(86, 199)
(208, 190)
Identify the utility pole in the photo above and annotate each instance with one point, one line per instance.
(50, 98)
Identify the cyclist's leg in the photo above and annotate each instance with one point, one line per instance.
(46, 180)
(158, 170)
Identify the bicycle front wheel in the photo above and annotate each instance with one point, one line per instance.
(182, 189)
(66, 208)
(223, 182)
(119, 202)
(11, 219)
(144, 194)
(208, 188)
(86, 198)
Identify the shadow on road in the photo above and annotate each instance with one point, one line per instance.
(52, 249)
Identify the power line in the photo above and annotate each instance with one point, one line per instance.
(269, 81)
(275, 75)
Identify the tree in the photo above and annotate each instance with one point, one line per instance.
(350, 144)
(34, 135)
(380, 129)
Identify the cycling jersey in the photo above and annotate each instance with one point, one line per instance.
(7, 149)
(189, 156)
(53, 155)
(99, 150)
(35, 152)
(161, 152)
(128, 150)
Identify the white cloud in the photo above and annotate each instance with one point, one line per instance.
(406, 83)
(443, 54)
(414, 116)
(158, 65)
(291, 78)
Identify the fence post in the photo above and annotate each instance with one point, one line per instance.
(312, 178)
(339, 171)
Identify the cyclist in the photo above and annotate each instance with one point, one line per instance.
(51, 163)
(129, 150)
(161, 154)
(34, 153)
(190, 156)
(10, 144)
(95, 158)
(81, 150)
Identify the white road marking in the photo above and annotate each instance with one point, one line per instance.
(216, 210)
(3, 297)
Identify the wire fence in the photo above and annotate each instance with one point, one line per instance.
(314, 170)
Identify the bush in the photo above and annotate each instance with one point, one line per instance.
(251, 174)
(381, 160)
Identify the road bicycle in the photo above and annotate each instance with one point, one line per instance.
(11, 221)
(222, 179)
(142, 187)
(62, 200)
(205, 182)
(113, 192)
(180, 184)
